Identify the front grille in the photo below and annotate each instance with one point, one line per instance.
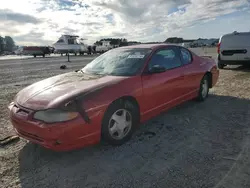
(20, 119)
(20, 110)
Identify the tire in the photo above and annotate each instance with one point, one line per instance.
(204, 89)
(114, 133)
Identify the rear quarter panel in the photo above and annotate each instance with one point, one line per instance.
(196, 70)
(208, 64)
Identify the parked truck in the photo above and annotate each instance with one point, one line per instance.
(36, 50)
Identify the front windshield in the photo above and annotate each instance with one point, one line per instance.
(118, 62)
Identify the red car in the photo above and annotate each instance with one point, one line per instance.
(111, 96)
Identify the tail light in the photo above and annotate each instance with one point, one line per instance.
(218, 48)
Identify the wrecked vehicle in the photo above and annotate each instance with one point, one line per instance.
(111, 96)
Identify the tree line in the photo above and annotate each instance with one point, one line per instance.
(181, 40)
(177, 40)
(116, 41)
(6, 44)
(125, 42)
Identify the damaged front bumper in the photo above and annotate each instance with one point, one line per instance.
(62, 136)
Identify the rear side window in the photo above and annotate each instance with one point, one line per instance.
(166, 53)
(168, 58)
(186, 56)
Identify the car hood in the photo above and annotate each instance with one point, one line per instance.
(52, 91)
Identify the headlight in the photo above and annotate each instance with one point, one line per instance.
(55, 115)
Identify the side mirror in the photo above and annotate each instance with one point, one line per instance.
(157, 69)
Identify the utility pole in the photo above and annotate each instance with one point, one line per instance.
(68, 57)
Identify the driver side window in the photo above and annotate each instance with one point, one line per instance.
(168, 58)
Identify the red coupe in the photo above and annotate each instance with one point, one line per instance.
(110, 96)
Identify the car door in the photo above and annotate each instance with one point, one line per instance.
(162, 90)
(189, 70)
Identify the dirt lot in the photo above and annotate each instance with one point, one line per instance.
(193, 145)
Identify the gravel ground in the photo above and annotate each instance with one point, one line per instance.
(193, 145)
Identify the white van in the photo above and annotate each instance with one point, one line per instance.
(234, 49)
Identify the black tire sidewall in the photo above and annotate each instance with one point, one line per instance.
(200, 97)
(120, 104)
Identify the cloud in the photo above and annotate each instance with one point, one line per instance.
(67, 30)
(6, 29)
(110, 18)
(118, 34)
(143, 20)
(90, 23)
(33, 37)
(9, 16)
(159, 19)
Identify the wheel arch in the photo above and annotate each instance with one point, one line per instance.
(129, 98)
(105, 136)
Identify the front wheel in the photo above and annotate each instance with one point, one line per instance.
(204, 89)
(119, 122)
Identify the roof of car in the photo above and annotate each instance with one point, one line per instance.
(236, 33)
(152, 46)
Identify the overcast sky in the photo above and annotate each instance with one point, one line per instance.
(41, 22)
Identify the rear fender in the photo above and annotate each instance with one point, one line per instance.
(209, 66)
(212, 69)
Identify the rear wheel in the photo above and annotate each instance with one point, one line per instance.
(204, 88)
(119, 122)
